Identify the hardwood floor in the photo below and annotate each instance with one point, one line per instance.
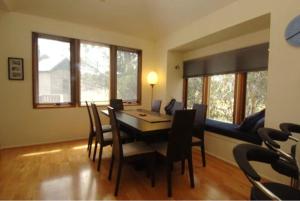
(64, 171)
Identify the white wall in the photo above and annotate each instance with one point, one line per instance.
(20, 124)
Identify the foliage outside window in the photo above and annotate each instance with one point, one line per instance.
(194, 91)
(221, 97)
(67, 72)
(256, 91)
(127, 75)
(94, 73)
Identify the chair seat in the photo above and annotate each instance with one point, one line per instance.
(284, 192)
(108, 137)
(160, 147)
(136, 148)
(106, 128)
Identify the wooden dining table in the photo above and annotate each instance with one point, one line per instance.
(142, 122)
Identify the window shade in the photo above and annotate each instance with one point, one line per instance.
(241, 60)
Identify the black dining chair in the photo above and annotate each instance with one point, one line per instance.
(199, 128)
(155, 107)
(243, 154)
(92, 133)
(117, 104)
(177, 106)
(127, 152)
(289, 129)
(102, 140)
(178, 148)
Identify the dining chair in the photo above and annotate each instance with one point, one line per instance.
(178, 148)
(177, 106)
(117, 104)
(102, 140)
(127, 152)
(199, 128)
(92, 132)
(155, 107)
(243, 154)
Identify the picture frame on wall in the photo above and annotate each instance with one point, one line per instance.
(15, 68)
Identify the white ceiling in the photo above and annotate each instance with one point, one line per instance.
(150, 19)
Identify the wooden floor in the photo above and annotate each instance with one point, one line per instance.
(64, 171)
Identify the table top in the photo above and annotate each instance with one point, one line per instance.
(140, 125)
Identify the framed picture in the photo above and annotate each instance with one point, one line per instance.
(15, 68)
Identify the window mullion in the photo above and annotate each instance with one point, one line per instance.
(239, 97)
(113, 72)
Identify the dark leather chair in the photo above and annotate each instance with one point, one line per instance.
(117, 104)
(155, 107)
(199, 128)
(177, 106)
(178, 148)
(92, 133)
(243, 153)
(286, 165)
(289, 129)
(102, 140)
(127, 152)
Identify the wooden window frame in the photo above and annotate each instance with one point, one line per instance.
(75, 71)
(35, 68)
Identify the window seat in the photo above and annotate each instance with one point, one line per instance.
(231, 130)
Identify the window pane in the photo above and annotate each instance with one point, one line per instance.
(256, 92)
(127, 75)
(94, 73)
(221, 97)
(194, 91)
(54, 78)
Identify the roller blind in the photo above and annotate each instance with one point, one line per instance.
(241, 60)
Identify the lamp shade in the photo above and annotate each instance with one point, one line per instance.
(152, 78)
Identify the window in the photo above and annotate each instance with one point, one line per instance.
(127, 75)
(256, 91)
(53, 85)
(94, 73)
(67, 72)
(194, 91)
(221, 97)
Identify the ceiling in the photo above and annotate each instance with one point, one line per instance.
(149, 19)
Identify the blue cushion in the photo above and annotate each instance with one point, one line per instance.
(250, 121)
(231, 130)
(259, 124)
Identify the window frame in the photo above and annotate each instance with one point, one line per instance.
(240, 91)
(75, 71)
(35, 69)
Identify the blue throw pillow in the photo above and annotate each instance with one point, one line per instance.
(250, 121)
(259, 124)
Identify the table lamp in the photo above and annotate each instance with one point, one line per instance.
(152, 80)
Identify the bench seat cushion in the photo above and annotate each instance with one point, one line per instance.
(231, 130)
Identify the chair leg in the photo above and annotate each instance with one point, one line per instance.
(90, 142)
(111, 167)
(191, 171)
(95, 150)
(182, 166)
(202, 147)
(169, 179)
(118, 177)
(100, 158)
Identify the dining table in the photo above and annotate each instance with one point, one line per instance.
(142, 122)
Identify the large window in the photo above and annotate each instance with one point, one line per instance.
(127, 75)
(67, 72)
(256, 92)
(94, 73)
(221, 97)
(194, 91)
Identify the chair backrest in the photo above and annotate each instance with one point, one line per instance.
(155, 107)
(90, 117)
(99, 132)
(117, 143)
(200, 118)
(168, 107)
(269, 135)
(180, 138)
(176, 106)
(117, 104)
(290, 128)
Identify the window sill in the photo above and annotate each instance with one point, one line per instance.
(46, 106)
